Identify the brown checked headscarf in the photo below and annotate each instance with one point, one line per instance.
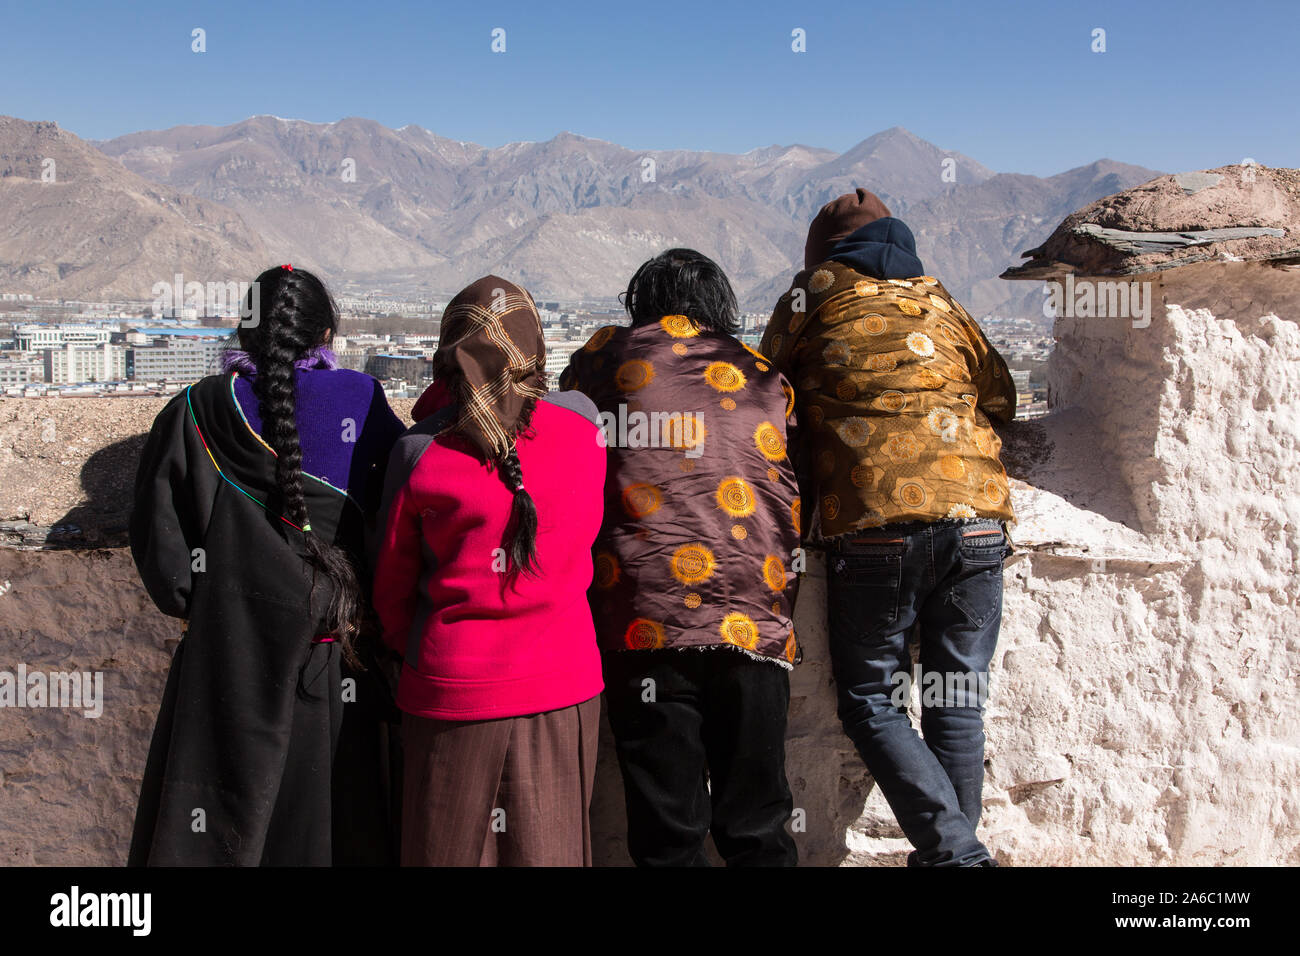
(491, 349)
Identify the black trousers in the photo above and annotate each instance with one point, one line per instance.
(700, 736)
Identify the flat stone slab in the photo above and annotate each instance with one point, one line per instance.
(1128, 241)
(1195, 182)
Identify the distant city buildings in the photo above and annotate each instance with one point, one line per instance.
(113, 348)
(353, 358)
(406, 368)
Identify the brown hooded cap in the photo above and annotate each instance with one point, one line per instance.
(839, 218)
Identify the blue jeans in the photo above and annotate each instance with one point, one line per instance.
(945, 579)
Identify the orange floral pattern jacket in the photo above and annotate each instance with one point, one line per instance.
(701, 503)
(896, 385)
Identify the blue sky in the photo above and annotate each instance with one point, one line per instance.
(1182, 85)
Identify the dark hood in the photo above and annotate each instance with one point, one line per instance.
(884, 249)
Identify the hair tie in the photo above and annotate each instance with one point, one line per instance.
(287, 266)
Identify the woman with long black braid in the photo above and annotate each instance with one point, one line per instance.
(252, 497)
(493, 500)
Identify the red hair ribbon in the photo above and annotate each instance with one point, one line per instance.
(287, 266)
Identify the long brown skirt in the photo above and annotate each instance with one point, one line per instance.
(508, 792)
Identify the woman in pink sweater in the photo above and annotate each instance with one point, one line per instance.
(480, 583)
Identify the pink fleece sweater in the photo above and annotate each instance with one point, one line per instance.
(476, 648)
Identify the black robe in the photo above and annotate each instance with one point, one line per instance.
(242, 770)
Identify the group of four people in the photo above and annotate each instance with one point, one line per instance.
(639, 532)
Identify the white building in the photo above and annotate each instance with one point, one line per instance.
(20, 372)
(85, 363)
(172, 361)
(34, 338)
(557, 357)
(175, 354)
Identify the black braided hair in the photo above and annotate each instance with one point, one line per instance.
(520, 539)
(294, 314)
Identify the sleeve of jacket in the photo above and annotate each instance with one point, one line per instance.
(380, 433)
(778, 324)
(398, 559)
(994, 389)
(164, 524)
(797, 438)
(798, 450)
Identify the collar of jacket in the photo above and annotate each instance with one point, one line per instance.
(240, 457)
(435, 397)
(237, 360)
(884, 249)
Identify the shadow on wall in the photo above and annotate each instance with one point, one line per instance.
(1086, 477)
(101, 519)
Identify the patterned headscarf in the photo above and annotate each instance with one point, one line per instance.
(491, 343)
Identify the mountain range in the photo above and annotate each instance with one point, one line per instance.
(409, 211)
(75, 223)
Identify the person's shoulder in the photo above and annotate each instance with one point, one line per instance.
(347, 376)
(210, 387)
(767, 372)
(575, 402)
(430, 434)
(798, 283)
(352, 385)
(217, 380)
(600, 338)
(730, 348)
(174, 405)
(203, 397)
(762, 373)
(822, 285)
(828, 277)
(936, 295)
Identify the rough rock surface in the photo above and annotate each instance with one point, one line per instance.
(1144, 701)
(1106, 237)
